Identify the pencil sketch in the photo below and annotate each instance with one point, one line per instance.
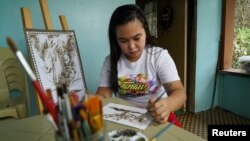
(127, 115)
(55, 57)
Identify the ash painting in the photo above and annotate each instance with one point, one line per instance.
(126, 115)
(56, 60)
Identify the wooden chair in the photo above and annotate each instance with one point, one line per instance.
(14, 92)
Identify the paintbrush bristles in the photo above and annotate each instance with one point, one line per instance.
(21, 58)
(12, 44)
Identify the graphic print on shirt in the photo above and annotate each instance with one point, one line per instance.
(136, 85)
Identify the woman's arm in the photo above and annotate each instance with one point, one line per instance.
(176, 95)
(104, 92)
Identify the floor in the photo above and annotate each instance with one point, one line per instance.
(197, 123)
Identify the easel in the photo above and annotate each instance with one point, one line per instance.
(27, 24)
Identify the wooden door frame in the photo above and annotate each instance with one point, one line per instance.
(191, 54)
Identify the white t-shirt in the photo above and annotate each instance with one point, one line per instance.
(139, 81)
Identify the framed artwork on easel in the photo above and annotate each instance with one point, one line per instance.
(56, 60)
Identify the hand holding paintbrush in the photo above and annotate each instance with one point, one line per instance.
(143, 116)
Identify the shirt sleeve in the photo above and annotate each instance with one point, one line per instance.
(166, 68)
(105, 73)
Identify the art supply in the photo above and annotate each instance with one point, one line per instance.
(126, 115)
(126, 135)
(143, 116)
(51, 120)
(163, 131)
(79, 120)
(94, 108)
(47, 102)
(73, 120)
(158, 98)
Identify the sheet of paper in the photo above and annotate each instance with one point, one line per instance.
(126, 115)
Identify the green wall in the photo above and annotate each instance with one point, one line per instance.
(89, 19)
(207, 46)
(232, 91)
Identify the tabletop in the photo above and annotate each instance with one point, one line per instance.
(37, 128)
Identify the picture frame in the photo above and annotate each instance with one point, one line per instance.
(56, 61)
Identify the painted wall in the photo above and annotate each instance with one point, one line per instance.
(235, 93)
(89, 19)
(208, 37)
(232, 91)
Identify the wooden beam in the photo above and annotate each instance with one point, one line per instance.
(46, 15)
(26, 17)
(27, 24)
(227, 34)
(64, 22)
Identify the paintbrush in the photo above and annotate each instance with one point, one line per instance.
(158, 98)
(48, 103)
(143, 116)
(158, 135)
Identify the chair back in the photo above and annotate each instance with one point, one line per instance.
(14, 92)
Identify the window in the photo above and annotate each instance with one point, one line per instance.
(228, 25)
(241, 43)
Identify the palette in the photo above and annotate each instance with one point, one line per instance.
(126, 135)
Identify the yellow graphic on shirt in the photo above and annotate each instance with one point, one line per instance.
(133, 85)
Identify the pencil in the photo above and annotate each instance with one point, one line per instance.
(158, 135)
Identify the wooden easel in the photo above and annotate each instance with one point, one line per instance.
(27, 24)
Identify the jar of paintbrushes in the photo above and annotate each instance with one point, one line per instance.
(79, 120)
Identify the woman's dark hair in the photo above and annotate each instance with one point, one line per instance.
(121, 16)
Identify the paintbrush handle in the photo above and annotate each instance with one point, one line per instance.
(158, 135)
(158, 98)
(48, 103)
(143, 116)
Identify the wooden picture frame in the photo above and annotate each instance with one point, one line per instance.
(56, 60)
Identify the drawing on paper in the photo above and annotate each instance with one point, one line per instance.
(55, 58)
(127, 115)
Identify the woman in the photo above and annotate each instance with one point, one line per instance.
(137, 71)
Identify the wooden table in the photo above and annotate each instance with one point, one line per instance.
(37, 128)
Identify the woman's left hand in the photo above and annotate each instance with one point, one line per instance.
(159, 110)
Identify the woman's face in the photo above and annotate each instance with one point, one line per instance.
(131, 38)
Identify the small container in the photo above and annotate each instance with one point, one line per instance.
(83, 123)
(99, 136)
